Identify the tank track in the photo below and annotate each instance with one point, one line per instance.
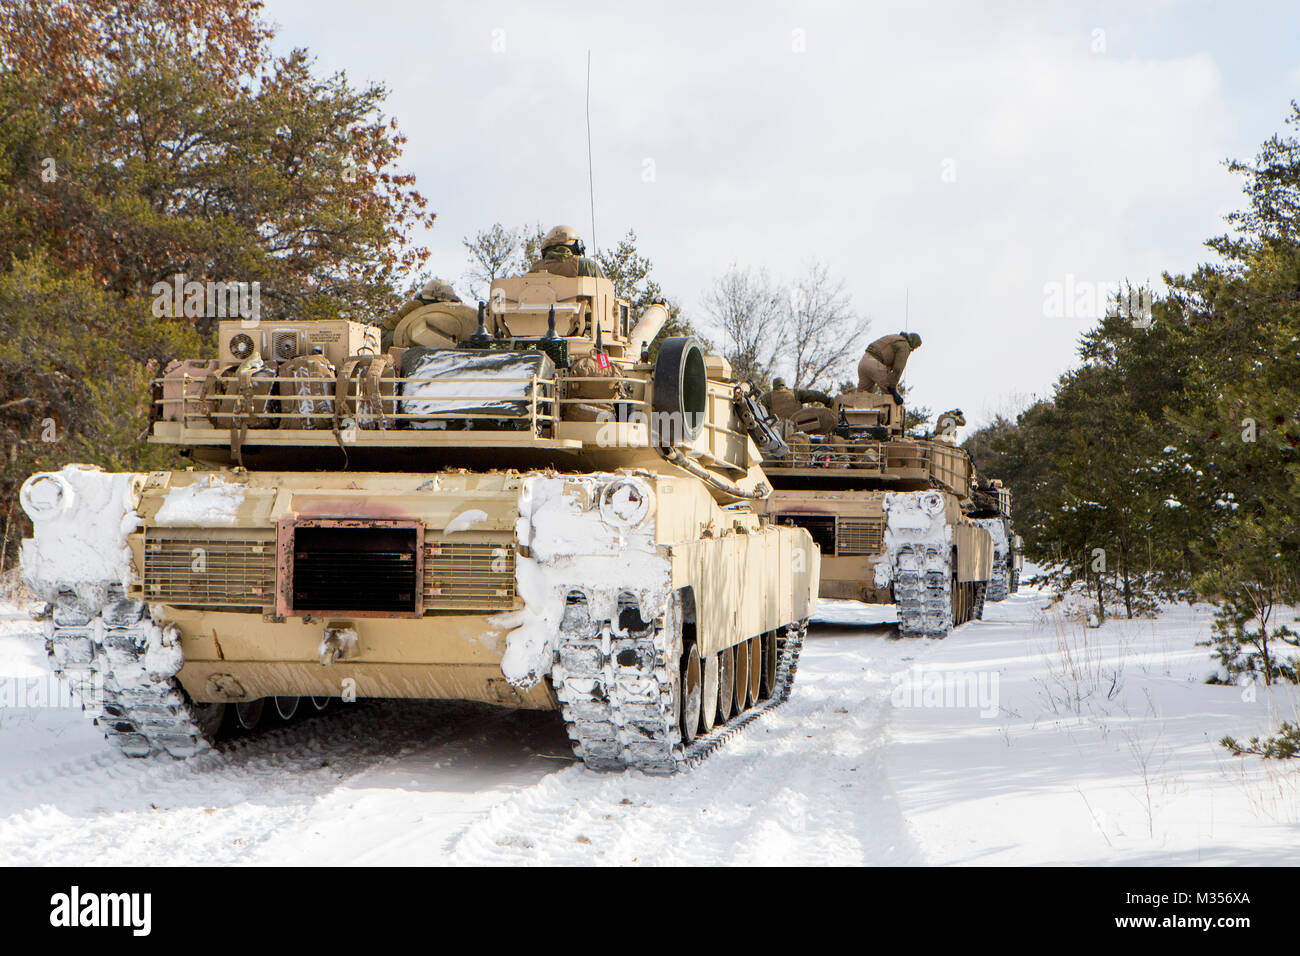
(999, 585)
(981, 593)
(122, 664)
(923, 590)
(616, 695)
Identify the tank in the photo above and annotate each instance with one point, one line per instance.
(508, 504)
(991, 509)
(892, 514)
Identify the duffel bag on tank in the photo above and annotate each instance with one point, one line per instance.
(306, 390)
(182, 389)
(365, 392)
(243, 395)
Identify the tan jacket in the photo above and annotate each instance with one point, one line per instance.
(892, 351)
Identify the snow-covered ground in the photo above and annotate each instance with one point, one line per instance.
(1069, 745)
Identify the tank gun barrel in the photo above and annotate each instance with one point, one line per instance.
(648, 326)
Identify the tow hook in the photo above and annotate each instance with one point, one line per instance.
(338, 641)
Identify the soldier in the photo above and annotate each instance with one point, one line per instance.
(785, 402)
(433, 292)
(563, 255)
(882, 365)
(946, 425)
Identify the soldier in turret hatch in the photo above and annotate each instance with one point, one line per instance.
(563, 254)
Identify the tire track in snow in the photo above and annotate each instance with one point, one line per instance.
(803, 785)
(223, 806)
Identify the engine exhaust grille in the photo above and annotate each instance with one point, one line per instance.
(209, 571)
(860, 535)
(469, 577)
(350, 568)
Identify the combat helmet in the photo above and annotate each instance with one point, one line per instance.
(565, 236)
(437, 290)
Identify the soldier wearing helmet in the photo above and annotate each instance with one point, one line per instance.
(437, 290)
(785, 402)
(563, 253)
(435, 298)
(882, 366)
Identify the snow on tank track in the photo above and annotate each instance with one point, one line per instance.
(923, 589)
(918, 558)
(999, 583)
(123, 666)
(618, 694)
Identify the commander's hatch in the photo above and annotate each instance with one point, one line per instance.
(869, 411)
(518, 307)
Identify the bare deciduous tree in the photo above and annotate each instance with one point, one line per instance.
(824, 335)
(491, 253)
(807, 332)
(752, 313)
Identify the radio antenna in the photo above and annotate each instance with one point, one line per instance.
(591, 181)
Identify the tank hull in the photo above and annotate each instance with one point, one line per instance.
(449, 585)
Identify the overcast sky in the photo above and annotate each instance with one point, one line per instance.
(955, 157)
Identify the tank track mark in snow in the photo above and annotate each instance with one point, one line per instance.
(121, 664)
(617, 691)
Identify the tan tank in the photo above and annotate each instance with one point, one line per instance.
(991, 509)
(890, 513)
(510, 505)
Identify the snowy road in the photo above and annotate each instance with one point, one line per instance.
(860, 767)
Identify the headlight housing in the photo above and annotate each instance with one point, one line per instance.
(933, 503)
(46, 496)
(625, 502)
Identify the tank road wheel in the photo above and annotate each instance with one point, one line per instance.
(248, 713)
(768, 684)
(286, 707)
(726, 684)
(690, 694)
(320, 703)
(209, 718)
(741, 651)
(710, 679)
(755, 670)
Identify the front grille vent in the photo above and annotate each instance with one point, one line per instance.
(860, 535)
(468, 577)
(355, 569)
(209, 570)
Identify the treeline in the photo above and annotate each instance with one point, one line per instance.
(143, 140)
(1167, 464)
